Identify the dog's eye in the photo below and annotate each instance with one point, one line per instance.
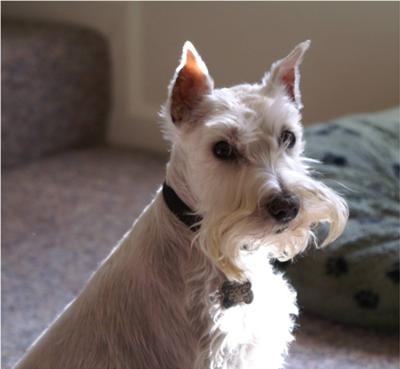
(287, 139)
(224, 151)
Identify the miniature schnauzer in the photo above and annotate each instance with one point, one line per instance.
(191, 284)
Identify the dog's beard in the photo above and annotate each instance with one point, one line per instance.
(224, 235)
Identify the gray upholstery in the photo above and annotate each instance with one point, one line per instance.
(55, 89)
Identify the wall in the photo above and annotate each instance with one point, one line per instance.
(351, 67)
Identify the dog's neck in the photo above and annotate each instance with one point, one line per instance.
(176, 177)
(231, 293)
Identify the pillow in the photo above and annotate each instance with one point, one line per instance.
(356, 279)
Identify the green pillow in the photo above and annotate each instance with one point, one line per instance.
(356, 279)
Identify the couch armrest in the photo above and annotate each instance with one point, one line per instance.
(55, 89)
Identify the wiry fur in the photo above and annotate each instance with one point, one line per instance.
(154, 301)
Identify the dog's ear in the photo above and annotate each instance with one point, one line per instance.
(285, 73)
(189, 85)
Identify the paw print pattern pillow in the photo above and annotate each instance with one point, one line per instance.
(356, 279)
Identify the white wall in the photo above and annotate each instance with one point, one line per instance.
(353, 65)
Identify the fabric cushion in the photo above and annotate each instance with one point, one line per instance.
(55, 82)
(356, 279)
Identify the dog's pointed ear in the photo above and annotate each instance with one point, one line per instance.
(190, 84)
(285, 74)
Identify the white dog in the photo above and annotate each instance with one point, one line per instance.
(190, 286)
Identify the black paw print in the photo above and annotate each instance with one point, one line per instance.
(336, 266)
(394, 274)
(367, 299)
(334, 159)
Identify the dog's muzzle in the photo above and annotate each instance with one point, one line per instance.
(284, 207)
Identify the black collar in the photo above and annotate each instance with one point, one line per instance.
(231, 293)
(180, 209)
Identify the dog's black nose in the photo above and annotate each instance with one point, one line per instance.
(284, 207)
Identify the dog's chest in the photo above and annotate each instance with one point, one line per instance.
(267, 320)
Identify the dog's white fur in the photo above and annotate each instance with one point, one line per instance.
(153, 303)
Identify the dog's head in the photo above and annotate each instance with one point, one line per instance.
(237, 159)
